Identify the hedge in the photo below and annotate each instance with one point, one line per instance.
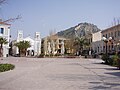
(6, 67)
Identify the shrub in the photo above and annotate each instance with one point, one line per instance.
(115, 60)
(118, 63)
(57, 54)
(41, 55)
(110, 61)
(6, 67)
(105, 58)
(69, 54)
(51, 55)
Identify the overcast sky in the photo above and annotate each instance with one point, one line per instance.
(46, 15)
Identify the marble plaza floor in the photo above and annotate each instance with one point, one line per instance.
(59, 74)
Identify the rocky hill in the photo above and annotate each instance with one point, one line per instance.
(81, 29)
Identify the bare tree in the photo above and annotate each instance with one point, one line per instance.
(10, 19)
(116, 21)
(2, 1)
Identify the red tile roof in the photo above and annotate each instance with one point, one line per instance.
(3, 23)
(111, 28)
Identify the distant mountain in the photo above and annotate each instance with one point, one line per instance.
(81, 29)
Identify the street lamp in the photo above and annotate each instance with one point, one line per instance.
(106, 40)
(118, 44)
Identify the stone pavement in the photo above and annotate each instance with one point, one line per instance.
(59, 74)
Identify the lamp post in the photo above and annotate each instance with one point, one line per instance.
(118, 46)
(106, 40)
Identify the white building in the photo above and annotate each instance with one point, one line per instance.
(35, 43)
(97, 43)
(5, 33)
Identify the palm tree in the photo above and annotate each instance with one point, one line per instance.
(81, 43)
(22, 46)
(69, 46)
(2, 41)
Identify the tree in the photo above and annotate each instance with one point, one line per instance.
(10, 19)
(2, 41)
(23, 46)
(81, 43)
(2, 2)
(69, 46)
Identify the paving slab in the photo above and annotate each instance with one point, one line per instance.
(59, 74)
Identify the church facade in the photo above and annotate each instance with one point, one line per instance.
(34, 50)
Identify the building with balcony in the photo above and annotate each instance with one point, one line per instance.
(5, 33)
(114, 44)
(53, 45)
(97, 43)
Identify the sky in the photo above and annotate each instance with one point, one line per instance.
(56, 15)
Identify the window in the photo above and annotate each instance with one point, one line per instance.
(103, 48)
(98, 49)
(111, 34)
(115, 33)
(109, 48)
(2, 30)
(112, 46)
(60, 41)
(106, 35)
(91, 39)
(118, 33)
(20, 35)
(37, 36)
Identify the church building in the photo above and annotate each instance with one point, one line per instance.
(34, 50)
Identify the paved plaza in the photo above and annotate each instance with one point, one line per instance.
(59, 74)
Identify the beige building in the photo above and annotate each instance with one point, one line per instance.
(111, 35)
(114, 32)
(97, 43)
(53, 45)
(90, 40)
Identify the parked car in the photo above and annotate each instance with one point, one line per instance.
(16, 55)
(94, 55)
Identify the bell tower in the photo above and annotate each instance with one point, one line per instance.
(20, 36)
(37, 45)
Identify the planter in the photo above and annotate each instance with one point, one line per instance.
(118, 63)
(85, 56)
